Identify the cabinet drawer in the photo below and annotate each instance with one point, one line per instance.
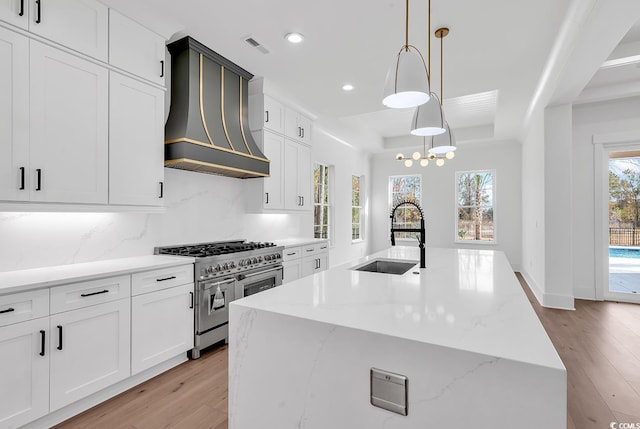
(150, 281)
(313, 249)
(78, 295)
(22, 306)
(290, 253)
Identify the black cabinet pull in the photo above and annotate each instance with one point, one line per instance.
(191, 293)
(299, 132)
(161, 190)
(302, 201)
(59, 337)
(42, 338)
(84, 295)
(38, 12)
(267, 197)
(21, 179)
(21, 8)
(267, 113)
(161, 68)
(166, 278)
(8, 310)
(291, 254)
(39, 179)
(303, 133)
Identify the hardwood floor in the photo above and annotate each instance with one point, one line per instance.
(599, 344)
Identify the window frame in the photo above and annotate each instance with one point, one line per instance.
(329, 204)
(390, 199)
(360, 207)
(494, 206)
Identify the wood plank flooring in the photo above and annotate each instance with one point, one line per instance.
(599, 344)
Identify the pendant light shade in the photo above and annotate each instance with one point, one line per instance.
(443, 143)
(428, 119)
(407, 84)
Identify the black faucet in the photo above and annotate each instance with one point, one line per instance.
(421, 230)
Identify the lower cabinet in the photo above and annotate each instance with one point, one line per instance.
(290, 271)
(304, 260)
(161, 326)
(313, 264)
(89, 350)
(24, 389)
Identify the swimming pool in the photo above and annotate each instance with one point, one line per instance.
(617, 252)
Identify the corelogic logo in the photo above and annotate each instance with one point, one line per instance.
(615, 425)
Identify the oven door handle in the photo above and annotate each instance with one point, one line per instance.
(220, 283)
(261, 273)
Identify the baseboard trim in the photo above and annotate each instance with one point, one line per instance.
(585, 293)
(560, 302)
(90, 401)
(533, 287)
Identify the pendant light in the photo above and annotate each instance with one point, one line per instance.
(407, 82)
(428, 119)
(445, 143)
(423, 159)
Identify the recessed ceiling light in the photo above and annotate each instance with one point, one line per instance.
(294, 37)
(347, 87)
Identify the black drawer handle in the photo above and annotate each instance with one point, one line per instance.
(303, 133)
(39, 12)
(84, 295)
(21, 8)
(161, 68)
(59, 337)
(291, 254)
(165, 279)
(39, 179)
(191, 293)
(309, 250)
(42, 340)
(21, 188)
(8, 310)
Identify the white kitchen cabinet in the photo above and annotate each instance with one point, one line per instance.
(161, 326)
(266, 113)
(24, 390)
(15, 12)
(301, 261)
(297, 176)
(136, 142)
(136, 49)
(69, 128)
(267, 194)
(313, 264)
(297, 126)
(81, 25)
(14, 114)
(89, 350)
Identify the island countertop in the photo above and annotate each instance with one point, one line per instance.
(465, 299)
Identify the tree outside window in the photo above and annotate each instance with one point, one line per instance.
(321, 208)
(475, 201)
(356, 208)
(403, 188)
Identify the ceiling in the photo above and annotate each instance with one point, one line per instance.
(494, 55)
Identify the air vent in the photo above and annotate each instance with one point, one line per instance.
(255, 44)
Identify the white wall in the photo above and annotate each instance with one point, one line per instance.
(334, 144)
(589, 120)
(438, 196)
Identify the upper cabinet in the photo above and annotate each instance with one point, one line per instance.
(297, 126)
(136, 49)
(81, 25)
(266, 113)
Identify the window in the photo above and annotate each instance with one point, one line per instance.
(321, 220)
(476, 202)
(403, 188)
(356, 208)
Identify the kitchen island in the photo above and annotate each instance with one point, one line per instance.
(461, 330)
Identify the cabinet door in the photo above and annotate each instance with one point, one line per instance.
(308, 266)
(14, 116)
(291, 271)
(305, 126)
(24, 390)
(78, 24)
(292, 200)
(304, 177)
(90, 350)
(273, 146)
(15, 12)
(291, 127)
(136, 49)
(136, 142)
(273, 115)
(69, 129)
(161, 326)
(323, 261)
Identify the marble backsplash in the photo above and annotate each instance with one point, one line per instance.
(199, 208)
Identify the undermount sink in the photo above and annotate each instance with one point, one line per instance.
(386, 266)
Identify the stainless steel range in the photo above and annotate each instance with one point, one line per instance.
(225, 271)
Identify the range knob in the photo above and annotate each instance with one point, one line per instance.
(209, 269)
(277, 256)
(225, 266)
(254, 260)
(218, 267)
(267, 257)
(232, 264)
(259, 258)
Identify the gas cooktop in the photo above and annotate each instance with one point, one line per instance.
(203, 250)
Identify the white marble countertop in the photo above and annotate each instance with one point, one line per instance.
(465, 299)
(37, 278)
(298, 241)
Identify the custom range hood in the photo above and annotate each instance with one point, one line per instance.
(207, 129)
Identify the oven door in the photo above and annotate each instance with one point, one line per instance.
(258, 281)
(212, 307)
